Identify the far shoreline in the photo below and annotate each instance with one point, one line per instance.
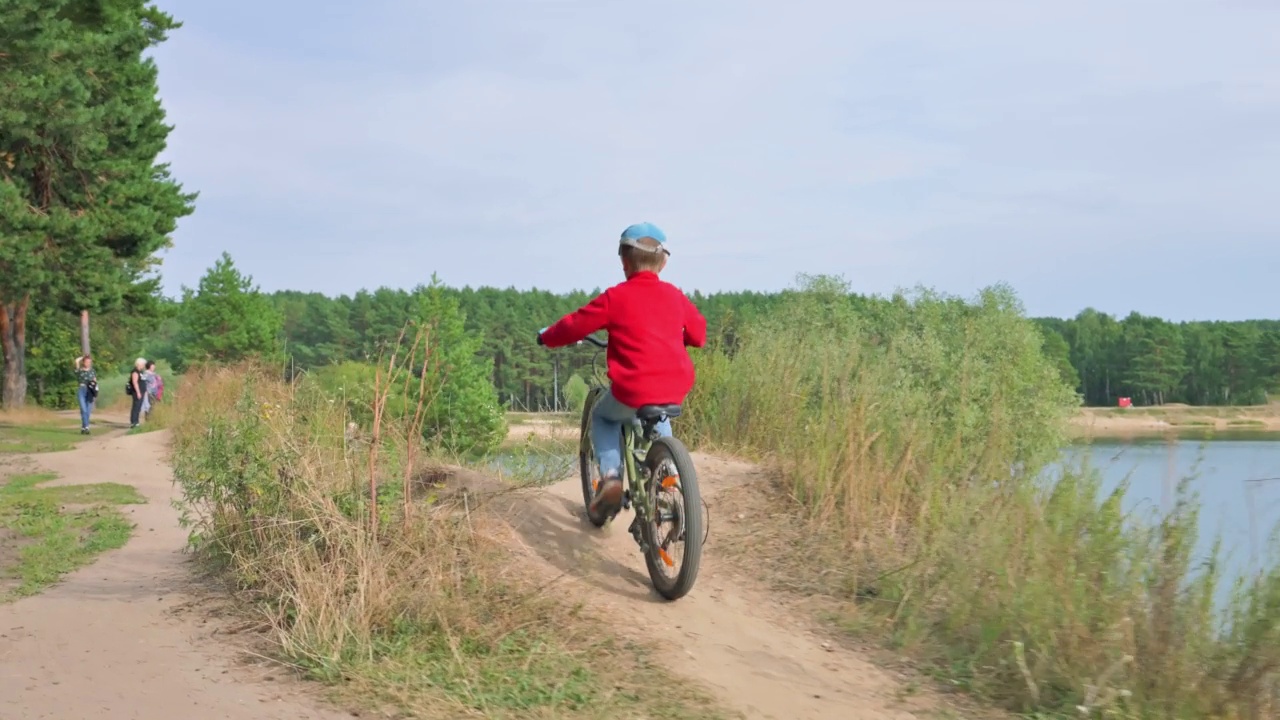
(1085, 423)
(1173, 419)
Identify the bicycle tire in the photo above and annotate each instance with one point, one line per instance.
(586, 459)
(679, 586)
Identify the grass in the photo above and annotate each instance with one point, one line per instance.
(111, 394)
(515, 417)
(51, 434)
(48, 532)
(534, 458)
(161, 417)
(911, 435)
(399, 596)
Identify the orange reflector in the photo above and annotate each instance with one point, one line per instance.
(668, 482)
(595, 485)
(666, 558)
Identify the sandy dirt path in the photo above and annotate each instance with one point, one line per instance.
(110, 640)
(107, 642)
(753, 651)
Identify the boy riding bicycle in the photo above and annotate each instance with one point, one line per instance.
(650, 322)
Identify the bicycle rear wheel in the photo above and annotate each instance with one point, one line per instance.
(586, 459)
(673, 537)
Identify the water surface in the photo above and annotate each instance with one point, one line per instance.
(1236, 475)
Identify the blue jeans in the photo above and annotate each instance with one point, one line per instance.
(606, 432)
(82, 394)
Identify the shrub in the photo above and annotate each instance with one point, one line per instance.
(397, 596)
(575, 393)
(914, 434)
(463, 414)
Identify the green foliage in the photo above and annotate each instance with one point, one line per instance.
(461, 409)
(1154, 361)
(317, 329)
(575, 392)
(322, 331)
(972, 374)
(466, 415)
(53, 344)
(1059, 353)
(1145, 358)
(55, 540)
(227, 320)
(915, 434)
(84, 206)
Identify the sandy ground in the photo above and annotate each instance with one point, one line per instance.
(756, 652)
(1093, 422)
(110, 641)
(1168, 418)
(113, 640)
(550, 428)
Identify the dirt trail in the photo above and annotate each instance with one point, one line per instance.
(757, 656)
(107, 642)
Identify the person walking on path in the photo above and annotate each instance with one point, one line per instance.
(155, 383)
(149, 382)
(86, 390)
(136, 389)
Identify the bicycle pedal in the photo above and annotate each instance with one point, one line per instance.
(634, 529)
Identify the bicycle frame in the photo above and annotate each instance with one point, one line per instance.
(635, 448)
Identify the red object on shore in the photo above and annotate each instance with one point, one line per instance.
(1126, 402)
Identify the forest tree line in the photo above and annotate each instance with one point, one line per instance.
(1148, 359)
(1145, 358)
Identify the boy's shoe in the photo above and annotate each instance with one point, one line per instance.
(608, 498)
(84, 431)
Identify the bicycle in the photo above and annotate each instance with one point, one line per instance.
(655, 471)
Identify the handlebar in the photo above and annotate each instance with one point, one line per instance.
(602, 344)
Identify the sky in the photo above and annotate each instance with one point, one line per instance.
(1115, 155)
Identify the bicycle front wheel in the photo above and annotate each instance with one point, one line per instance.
(673, 536)
(586, 459)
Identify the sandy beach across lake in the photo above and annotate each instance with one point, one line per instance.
(1176, 418)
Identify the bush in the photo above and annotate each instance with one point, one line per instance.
(463, 414)
(397, 596)
(575, 393)
(914, 433)
(53, 343)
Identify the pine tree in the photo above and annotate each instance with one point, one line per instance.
(83, 205)
(227, 319)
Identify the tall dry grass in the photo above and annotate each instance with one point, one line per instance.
(28, 415)
(393, 596)
(913, 434)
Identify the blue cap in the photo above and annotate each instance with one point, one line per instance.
(633, 234)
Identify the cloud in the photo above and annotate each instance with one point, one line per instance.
(508, 142)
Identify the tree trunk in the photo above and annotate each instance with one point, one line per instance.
(84, 332)
(13, 340)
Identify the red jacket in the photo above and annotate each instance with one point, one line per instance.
(649, 323)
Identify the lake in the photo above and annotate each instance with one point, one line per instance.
(1237, 477)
